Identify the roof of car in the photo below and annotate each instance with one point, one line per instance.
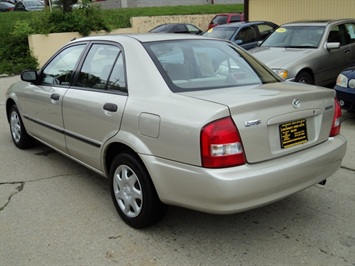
(229, 14)
(242, 23)
(142, 37)
(318, 22)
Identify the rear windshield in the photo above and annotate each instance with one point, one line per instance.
(220, 32)
(188, 65)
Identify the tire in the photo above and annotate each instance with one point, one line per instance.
(133, 192)
(18, 131)
(304, 77)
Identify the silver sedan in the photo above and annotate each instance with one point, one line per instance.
(178, 120)
(312, 52)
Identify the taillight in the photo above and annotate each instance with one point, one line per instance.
(221, 145)
(336, 120)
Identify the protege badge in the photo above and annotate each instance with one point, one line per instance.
(252, 123)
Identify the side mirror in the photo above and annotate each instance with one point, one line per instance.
(29, 75)
(238, 42)
(333, 45)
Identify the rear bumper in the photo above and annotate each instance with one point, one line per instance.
(236, 189)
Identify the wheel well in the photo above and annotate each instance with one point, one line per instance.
(308, 70)
(9, 103)
(113, 150)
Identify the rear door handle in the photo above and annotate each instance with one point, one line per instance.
(55, 96)
(110, 107)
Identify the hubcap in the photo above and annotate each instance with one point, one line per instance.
(128, 191)
(305, 80)
(15, 126)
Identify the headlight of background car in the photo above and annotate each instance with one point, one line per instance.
(342, 81)
(352, 83)
(283, 73)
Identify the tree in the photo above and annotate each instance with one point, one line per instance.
(67, 5)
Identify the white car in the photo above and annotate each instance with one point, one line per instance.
(180, 120)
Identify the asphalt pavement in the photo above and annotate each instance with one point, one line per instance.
(56, 212)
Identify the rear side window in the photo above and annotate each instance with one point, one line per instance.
(264, 30)
(350, 28)
(236, 18)
(103, 69)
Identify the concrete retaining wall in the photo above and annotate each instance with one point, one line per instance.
(44, 46)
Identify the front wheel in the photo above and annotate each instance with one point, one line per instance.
(304, 77)
(18, 132)
(133, 193)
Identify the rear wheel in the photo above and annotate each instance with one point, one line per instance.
(304, 77)
(133, 193)
(18, 132)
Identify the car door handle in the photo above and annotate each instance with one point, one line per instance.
(110, 107)
(55, 96)
(347, 50)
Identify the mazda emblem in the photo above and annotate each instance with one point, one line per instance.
(296, 103)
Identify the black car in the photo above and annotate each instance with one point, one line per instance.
(345, 89)
(177, 28)
(245, 34)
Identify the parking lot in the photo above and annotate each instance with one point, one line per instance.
(56, 212)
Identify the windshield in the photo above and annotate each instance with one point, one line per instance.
(220, 33)
(295, 37)
(206, 64)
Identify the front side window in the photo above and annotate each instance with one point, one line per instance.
(60, 70)
(98, 67)
(201, 64)
(246, 35)
(340, 34)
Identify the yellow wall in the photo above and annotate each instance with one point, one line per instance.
(282, 11)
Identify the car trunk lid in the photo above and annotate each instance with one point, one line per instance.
(276, 119)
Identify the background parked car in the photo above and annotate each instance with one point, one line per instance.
(5, 7)
(225, 18)
(28, 5)
(345, 89)
(177, 28)
(245, 34)
(312, 52)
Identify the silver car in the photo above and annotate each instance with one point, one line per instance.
(312, 52)
(178, 120)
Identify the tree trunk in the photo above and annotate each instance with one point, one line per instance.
(67, 5)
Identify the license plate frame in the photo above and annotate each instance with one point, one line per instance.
(293, 133)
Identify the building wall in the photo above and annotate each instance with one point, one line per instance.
(282, 11)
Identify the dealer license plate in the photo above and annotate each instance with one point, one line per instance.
(293, 133)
